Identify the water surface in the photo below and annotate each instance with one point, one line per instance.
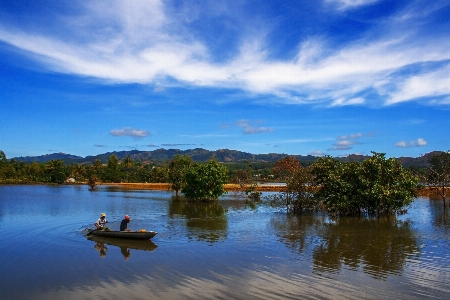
(231, 249)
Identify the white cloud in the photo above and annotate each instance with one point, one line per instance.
(128, 131)
(252, 129)
(420, 142)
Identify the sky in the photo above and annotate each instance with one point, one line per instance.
(299, 77)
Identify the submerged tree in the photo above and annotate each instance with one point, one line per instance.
(376, 185)
(205, 181)
(286, 167)
(178, 167)
(92, 182)
(439, 176)
(299, 193)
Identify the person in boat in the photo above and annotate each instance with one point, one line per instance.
(100, 223)
(124, 223)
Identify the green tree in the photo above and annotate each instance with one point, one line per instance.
(35, 172)
(178, 167)
(3, 159)
(376, 185)
(55, 171)
(78, 172)
(299, 194)
(387, 187)
(96, 169)
(112, 172)
(205, 181)
(127, 164)
(439, 176)
(301, 190)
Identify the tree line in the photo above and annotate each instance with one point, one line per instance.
(13, 171)
(375, 185)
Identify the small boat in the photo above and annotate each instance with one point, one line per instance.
(135, 235)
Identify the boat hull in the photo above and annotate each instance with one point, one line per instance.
(134, 235)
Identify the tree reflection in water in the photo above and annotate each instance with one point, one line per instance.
(439, 214)
(378, 246)
(206, 221)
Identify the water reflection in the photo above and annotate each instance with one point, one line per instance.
(439, 214)
(205, 221)
(374, 246)
(102, 243)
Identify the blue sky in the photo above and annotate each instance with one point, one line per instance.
(324, 77)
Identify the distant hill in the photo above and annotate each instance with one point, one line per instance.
(203, 155)
(160, 155)
(67, 158)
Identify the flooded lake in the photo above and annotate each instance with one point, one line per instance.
(231, 249)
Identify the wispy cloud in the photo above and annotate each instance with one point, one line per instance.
(420, 142)
(346, 142)
(349, 4)
(131, 42)
(128, 131)
(432, 84)
(251, 127)
(317, 153)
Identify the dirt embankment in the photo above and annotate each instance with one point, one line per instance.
(428, 191)
(168, 186)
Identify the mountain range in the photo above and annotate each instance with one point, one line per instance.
(203, 155)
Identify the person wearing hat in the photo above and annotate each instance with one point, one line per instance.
(100, 224)
(124, 223)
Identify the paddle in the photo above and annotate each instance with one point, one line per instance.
(90, 232)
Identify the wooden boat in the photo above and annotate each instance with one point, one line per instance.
(135, 235)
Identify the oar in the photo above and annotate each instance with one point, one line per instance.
(90, 232)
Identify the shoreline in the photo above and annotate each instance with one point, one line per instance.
(427, 191)
(168, 186)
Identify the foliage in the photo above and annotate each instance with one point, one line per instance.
(112, 173)
(287, 167)
(301, 189)
(178, 167)
(299, 194)
(376, 185)
(55, 171)
(439, 176)
(205, 181)
(92, 182)
(127, 164)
